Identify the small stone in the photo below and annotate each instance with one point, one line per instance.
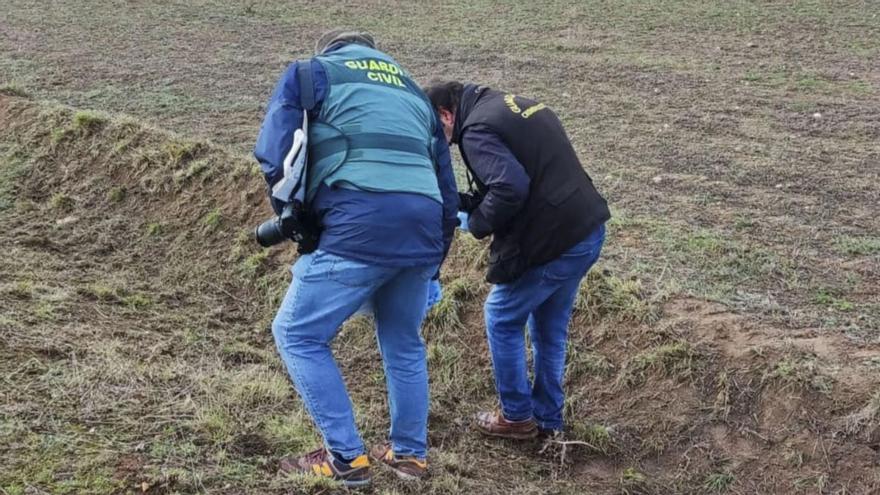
(778, 186)
(657, 179)
(66, 221)
(817, 115)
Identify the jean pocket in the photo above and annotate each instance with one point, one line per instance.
(353, 273)
(572, 264)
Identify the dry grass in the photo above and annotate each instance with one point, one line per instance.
(135, 351)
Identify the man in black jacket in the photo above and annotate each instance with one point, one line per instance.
(531, 193)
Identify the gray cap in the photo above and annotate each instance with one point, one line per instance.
(343, 36)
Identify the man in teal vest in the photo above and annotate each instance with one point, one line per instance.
(381, 187)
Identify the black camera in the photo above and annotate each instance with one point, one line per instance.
(293, 223)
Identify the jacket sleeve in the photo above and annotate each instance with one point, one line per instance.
(505, 178)
(284, 115)
(446, 182)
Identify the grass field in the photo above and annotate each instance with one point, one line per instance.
(727, 342)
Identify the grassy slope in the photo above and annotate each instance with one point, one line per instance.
(726, 186)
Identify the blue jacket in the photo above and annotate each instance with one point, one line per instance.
(284, 115)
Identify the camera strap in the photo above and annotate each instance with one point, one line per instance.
(306, 85)
(293, 186)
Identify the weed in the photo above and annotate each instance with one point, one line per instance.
(116, 194)
(45, 310)
(58, 134)
(601, 295)
(86, 121)
(676, 359)
(137, 301)
(582, 364)
(101, 292)
(598, 436)
(829, 298)
(869, 414)
(213, 219)
(718, 482)
(800, 370)
(255, 263)
(13, 166)
(857, 246)
(196, 168)
(178, 151)
(23, 289)
(12, 89)
(154, 229)
(309, 483)
(290, 433)
(216, 422)
(445, 314)
(60, 201)
(253, 389)
(632, 479)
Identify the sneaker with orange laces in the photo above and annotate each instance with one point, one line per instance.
(407, 468)
(322, 463)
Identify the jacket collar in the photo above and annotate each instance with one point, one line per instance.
(469, 97)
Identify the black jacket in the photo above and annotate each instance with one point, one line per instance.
(562, 207)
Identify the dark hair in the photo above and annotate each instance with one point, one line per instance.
(343, 36)
(445, 94)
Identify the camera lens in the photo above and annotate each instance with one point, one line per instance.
(269, 233)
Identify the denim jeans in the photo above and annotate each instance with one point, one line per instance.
(543, 297)
(325, 291)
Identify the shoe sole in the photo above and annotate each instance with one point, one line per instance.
(400, 474)
(509, 436)
(346, 483)
(406, 476)
(357, 484)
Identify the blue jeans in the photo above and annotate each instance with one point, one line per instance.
(325, 291)
(543, 297)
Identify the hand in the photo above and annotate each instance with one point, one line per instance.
(435, 293)
(463, 219)
(468, 202)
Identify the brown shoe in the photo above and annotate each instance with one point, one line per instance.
(493, 424)
(322, 463)
(407, 468)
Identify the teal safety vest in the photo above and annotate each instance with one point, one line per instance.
(375, 128)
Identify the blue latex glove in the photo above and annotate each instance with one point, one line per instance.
(463, 218)
(435, 293)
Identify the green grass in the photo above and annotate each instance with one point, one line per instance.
(155, 229)
(61, 202)
(718, 482)
(87, 121)
(598, 436)
(677, 359)
(254, 264)
(213, 219)
(14, 165)
(857, 246)
(13, 89)
(116, 194)
(831, 299)
(603, 295)
(801, 371)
